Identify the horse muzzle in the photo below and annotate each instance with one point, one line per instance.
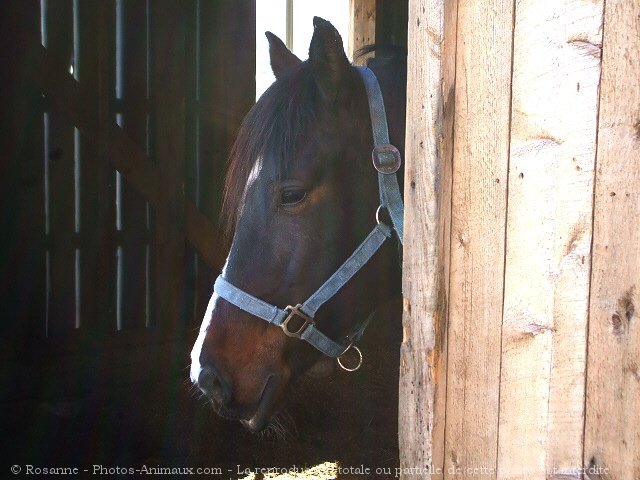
(255, 417)
(214, 387)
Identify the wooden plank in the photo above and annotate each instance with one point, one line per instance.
(362, 28)
(481, 136)
(59, 173)
(429, 142)
(444, 230)
(612, 433)
(97, 207)
(167, 34)
(556, 73)
(132, 90)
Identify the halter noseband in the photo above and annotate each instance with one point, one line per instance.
(298, 321)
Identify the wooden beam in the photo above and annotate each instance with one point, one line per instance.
(431, 68)
(362, 27)
(612, 432)
(552, 156)
(479, 201)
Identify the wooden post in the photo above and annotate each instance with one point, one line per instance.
(430, 96)
(362, 27)
(612, 432)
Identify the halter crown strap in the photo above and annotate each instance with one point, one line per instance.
(387, 161)
(390, 196)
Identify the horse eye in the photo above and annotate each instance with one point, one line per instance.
(292, 197)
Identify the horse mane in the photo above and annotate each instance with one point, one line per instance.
(280, 120)
(276, 124)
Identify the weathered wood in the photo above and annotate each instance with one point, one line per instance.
(362, 27)
(444, 229)
(431, 75)
(612, 432)
(556, 72)
(167, 34)
(481, 135)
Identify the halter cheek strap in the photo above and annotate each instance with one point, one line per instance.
(298, 321)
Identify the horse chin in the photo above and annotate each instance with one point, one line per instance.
(322, 368)
(267, 407)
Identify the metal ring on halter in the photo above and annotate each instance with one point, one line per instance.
(351, 369)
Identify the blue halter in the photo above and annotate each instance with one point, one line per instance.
(298, 321)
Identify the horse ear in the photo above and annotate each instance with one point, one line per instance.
(328, 60)
(281, 56)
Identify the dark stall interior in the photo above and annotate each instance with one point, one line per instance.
(117, 120)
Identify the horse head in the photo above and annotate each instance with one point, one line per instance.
(300, 196)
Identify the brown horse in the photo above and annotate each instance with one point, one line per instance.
(301, 194)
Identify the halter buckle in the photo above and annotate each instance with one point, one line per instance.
(299, 330)
(386, 158)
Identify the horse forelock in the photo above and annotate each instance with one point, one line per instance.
(271, 132)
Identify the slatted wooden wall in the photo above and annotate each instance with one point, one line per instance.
(119, 118)
(522, 260)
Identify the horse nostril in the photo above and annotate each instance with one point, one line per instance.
(214, 386)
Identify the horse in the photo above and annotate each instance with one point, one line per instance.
(300, 196)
